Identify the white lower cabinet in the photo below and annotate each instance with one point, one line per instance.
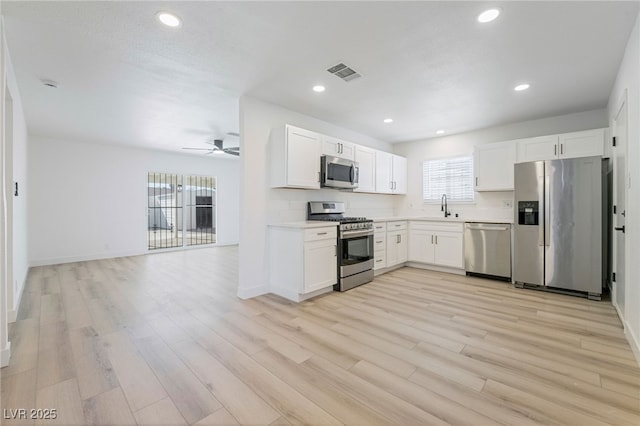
(379, 245)
(396, 247)
(436, 243)
(303, 262)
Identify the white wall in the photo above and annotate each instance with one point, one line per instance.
(628, 80)
(488, 205)
(89, 201)
(261, 205)
(19, 139)
(5, 345)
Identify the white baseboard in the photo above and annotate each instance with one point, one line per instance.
(5, 355)
(84, 258)
(248, 293)
(436, 268)
(633, 342)
(294, 296)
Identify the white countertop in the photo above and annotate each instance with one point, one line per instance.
(441, 219)
(304, 224)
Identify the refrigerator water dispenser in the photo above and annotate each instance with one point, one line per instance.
(528, 213)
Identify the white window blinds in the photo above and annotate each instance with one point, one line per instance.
(451, 176)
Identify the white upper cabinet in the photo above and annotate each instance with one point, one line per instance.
(494, 166)
(384, 164)
(540, 148)
(338, 148)
(366, 158)
(399, 173)
(586, 143)
(391, 173)
(582, 144)
(295, 159)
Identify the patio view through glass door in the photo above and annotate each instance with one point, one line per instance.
(181, 210)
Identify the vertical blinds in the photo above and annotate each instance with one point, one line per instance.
(451, 176)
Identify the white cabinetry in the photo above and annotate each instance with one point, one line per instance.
(494, 166)
(582, 144)
(366, 158)
(337, 148)
(436, 243)
(379, 245)
(303, 262)
(396, 252)
(391, 173)
(567, 145)
(295, 158)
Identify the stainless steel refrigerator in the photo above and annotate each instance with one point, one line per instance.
(561, 225)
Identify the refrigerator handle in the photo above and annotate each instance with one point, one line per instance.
(547, 211)
(541, 210)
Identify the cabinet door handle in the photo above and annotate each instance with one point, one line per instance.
(561, 148)
(398, 239)
(555, 149)
(378, 242)
(476, 180)
(390, 185)
(379, 260)
(432, 239)
(436, 239)
(322, 233)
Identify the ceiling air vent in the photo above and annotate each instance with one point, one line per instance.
(344, 72)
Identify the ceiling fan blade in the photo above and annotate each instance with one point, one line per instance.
(232, 151)
(233, 134)
(199, 149)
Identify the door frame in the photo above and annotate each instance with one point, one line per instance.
(622, 103)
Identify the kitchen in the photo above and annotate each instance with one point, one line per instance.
(260, 205)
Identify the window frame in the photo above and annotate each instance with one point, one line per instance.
(432, 201)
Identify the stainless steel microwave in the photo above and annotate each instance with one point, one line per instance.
(338, 172)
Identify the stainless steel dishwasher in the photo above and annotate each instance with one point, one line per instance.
(487, 249)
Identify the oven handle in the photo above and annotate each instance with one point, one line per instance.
(345, 235)
(352, 174)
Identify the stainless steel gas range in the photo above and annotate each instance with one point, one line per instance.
(355, 243)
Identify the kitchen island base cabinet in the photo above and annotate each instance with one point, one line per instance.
(436, 243)
(303, 262)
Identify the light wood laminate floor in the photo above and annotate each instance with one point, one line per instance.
(163, 339)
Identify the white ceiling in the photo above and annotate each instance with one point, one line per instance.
(124, 78)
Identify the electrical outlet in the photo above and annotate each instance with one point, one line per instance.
(507, 204)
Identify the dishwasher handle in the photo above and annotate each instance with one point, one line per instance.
(487, 227)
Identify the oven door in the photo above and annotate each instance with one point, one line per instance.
(338, 172)
(356, 252)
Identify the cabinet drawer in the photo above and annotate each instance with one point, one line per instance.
(379, 227)
(396, 226)
(435, 226)
(313, 234)
(380, 261)
(379, 245)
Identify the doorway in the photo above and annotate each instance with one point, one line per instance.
(620, 182)
(181, 210)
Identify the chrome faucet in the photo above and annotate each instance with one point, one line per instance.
(443, 206)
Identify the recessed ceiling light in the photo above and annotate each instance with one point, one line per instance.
(319, 88)
(521, 87)
(169, 19)
(440, 132)
(488, 15)
(388, 120)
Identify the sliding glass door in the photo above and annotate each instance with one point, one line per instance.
(181, 210)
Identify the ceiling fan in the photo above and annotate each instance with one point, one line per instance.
(217, 147)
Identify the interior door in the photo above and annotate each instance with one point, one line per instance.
(620, 191)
